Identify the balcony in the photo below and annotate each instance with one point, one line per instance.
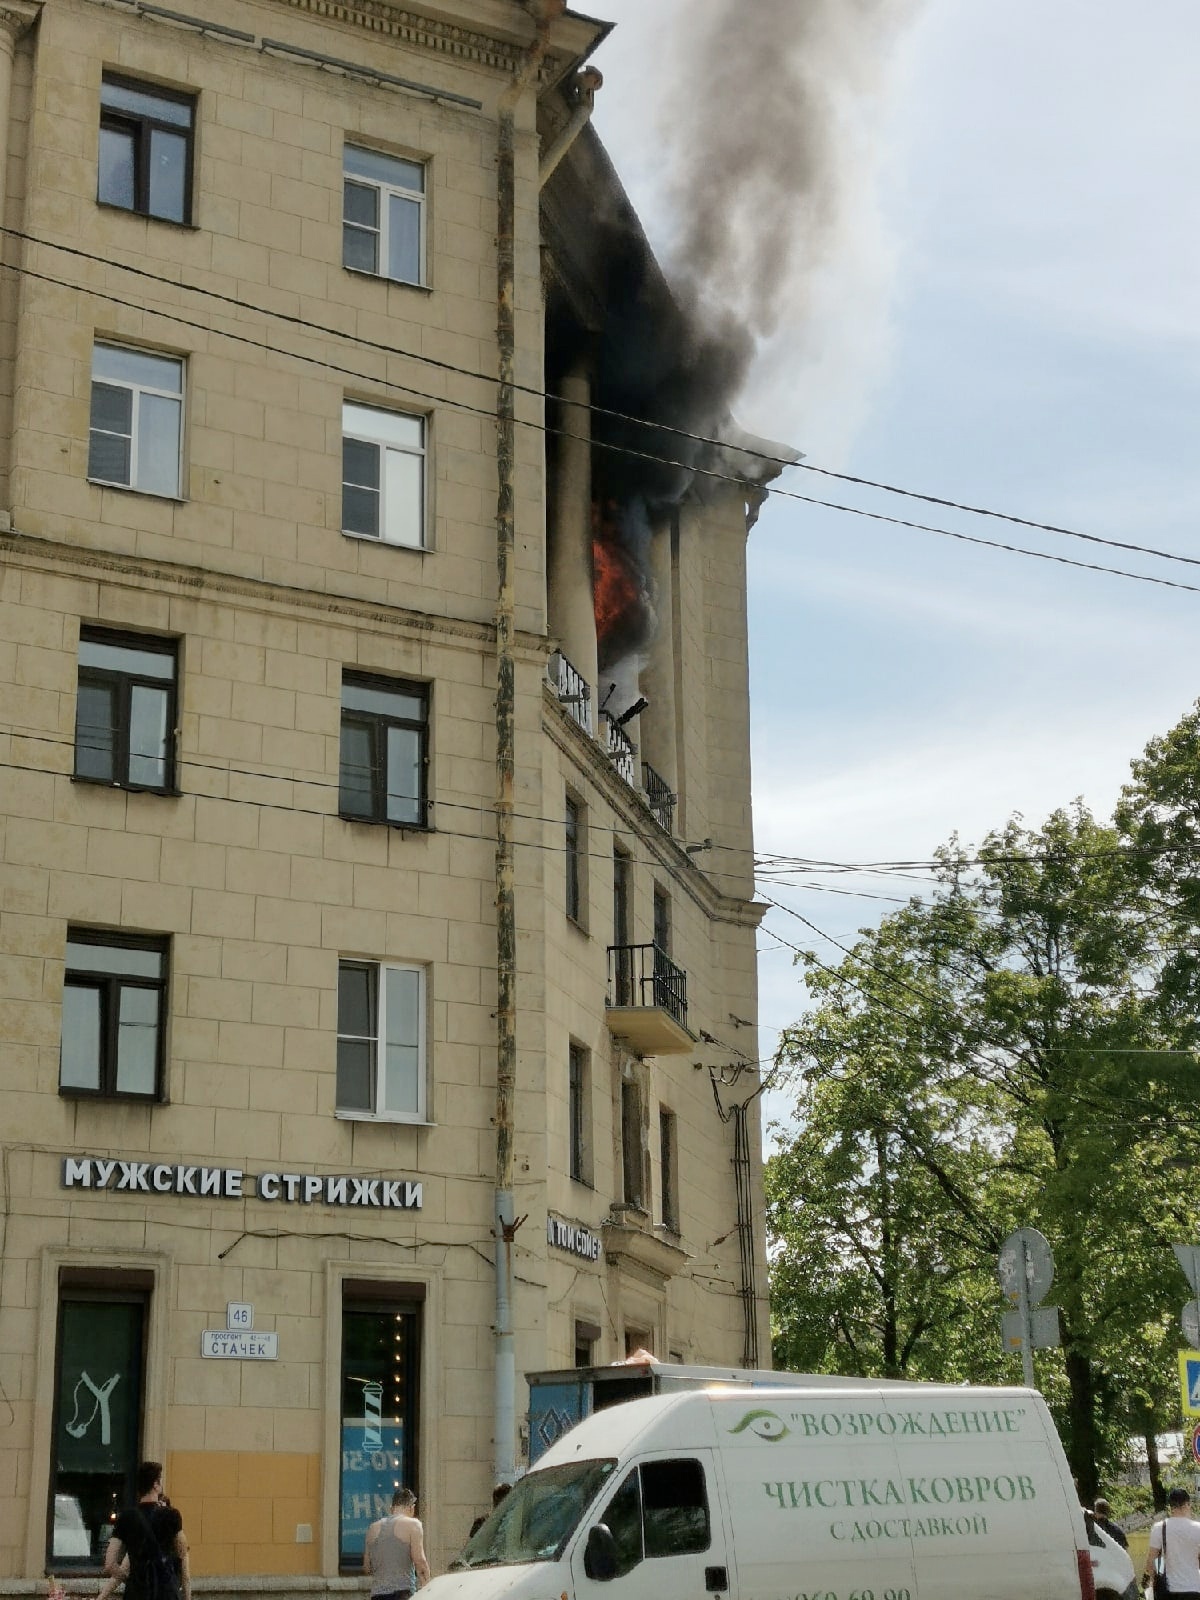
(659, 797)
(620, 750)
(647, 1000)
(573, 691)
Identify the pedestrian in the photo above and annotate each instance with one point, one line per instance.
(394, 1553)
(1114, 1530)
(499, 1493)
(148, 1544)
(1177, 1539)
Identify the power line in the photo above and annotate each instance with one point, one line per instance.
(710, 441)
(740, 480)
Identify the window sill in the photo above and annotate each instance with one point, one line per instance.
(386, 822)
(380, 277)
(392, 1118)
(583, 1183)
(128, 788)
(148, 216)
(574, 922)
(132, 488)
(72, 1092)
(388, 544)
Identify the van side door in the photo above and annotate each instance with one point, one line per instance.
(661, 1534)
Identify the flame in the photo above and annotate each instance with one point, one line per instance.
(615, 589)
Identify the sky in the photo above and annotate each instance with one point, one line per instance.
(1005, 313)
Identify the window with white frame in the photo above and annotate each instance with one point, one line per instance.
(383, 215)
(136, 420)
(381, 1055)
(383, 475)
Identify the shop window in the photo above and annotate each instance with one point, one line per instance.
(136, 431)
(125, 711)
(97, 1421)
(113, 1015)
(379, 1386)
(384, 751)
(383, 215)
(381, 1041)
(146, 144)
(383, 475)
(579, 1112)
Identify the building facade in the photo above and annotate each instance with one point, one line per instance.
(248, 792)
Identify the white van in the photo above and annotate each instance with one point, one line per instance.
(882, 1492)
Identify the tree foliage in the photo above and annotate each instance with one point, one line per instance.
(997, 1055)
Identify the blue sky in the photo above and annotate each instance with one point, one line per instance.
(1009, 315)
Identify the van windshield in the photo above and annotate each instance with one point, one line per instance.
(534, 1522)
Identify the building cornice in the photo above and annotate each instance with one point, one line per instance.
(417, 29)
(176, 578)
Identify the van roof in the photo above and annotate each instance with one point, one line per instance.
(616, 1429)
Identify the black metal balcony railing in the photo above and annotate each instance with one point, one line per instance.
(620, 751)
(573, 691)
(644, 975)
(659, 797)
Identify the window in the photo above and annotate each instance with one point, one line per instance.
(668, 1168)
(633, 1184)
(114, 1001)
(587, 1335)
(661, 1509)
(97, 1419)
(381, 1333)
(579, 1096)
(662, 920)
(137, 420)
(146, 149)
(383, 475)
(383, 215)
(623, 952)
(576, 852)
(381, 1041)
(384, 752)
(125, 711)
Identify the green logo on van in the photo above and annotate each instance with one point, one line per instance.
(764, 1423)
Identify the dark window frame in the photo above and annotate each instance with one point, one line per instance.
(109, 985)
(575, 834)
(668, 1157)
(123, 683)
(377, 725)
(579, 1084)
(633, 1164)
(141, 127)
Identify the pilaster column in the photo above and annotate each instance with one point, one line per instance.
(572, 611)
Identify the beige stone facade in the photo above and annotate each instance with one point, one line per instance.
(182, 1079)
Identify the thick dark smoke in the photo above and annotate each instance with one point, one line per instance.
(761, 132)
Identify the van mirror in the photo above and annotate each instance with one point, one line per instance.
(600, 1554)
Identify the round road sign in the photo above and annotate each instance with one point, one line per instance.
(1039, 1264)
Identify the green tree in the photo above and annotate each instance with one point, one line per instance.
(1006, 1036)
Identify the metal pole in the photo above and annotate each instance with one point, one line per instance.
(1026, 1315)
(504, 1220)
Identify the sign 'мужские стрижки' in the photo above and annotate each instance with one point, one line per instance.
(231, 1183)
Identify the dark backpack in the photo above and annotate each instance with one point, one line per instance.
(151, 1571)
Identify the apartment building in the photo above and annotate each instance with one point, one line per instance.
(252, 969)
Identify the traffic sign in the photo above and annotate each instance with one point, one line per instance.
(1188, 1257)
(1189, 1383)
(1196, 1443)
(1043, 1328)
(1189, 1321)
(1039, 1265)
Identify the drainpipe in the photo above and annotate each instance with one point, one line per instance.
(586, 84)
(505, 1420)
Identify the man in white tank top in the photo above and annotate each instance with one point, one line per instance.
(1177, 1540)
(394, 1553)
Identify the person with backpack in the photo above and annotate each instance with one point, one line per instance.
(150, 1534)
